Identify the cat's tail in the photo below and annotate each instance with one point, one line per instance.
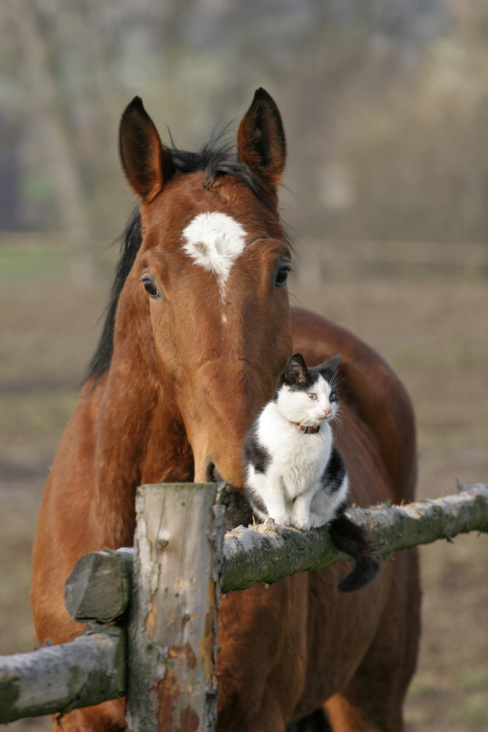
(355, 541)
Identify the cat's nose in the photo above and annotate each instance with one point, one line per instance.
(327, 411)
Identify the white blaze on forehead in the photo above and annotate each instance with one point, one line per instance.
(214, 241)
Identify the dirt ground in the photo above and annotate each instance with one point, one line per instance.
(431, 327)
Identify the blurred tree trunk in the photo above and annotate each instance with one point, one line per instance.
(60, 155)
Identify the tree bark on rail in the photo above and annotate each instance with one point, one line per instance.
(268, 552)
(58, 679)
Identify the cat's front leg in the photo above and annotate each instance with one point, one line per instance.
(283, 519)
(300, 517)
(324, 507)
(276, 506)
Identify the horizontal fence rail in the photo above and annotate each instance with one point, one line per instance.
(126, 586)
(57, 679)
(269, 552)
(324, 254)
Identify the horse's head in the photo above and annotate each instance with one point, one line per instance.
(207, 291)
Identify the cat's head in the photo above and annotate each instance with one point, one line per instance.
(308, 396)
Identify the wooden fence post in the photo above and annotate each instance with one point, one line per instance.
(172, 643)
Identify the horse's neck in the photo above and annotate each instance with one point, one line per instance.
(139, 438)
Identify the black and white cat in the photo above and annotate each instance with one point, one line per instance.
(293, 472)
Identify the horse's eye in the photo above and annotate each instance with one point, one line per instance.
(312, 396)
(282, 275)
(150, 287)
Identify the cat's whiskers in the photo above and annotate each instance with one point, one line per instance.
(342, 419)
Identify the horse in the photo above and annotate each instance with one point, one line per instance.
(198, 328)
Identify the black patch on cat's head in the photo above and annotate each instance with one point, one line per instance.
(328, 369)
(296, 375)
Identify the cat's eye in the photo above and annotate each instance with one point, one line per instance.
(333, 396)
(281, 275)
(312, 396)
(150, 287)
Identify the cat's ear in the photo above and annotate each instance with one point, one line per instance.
(331, 365)
(296, 370)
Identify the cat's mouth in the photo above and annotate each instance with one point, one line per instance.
(325, 417)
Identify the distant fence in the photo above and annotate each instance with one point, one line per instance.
(32, 240)
(152, 611)
(318, 260)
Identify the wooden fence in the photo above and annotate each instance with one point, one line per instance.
(152, 611)
(317, 261)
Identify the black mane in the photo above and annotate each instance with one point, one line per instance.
(131, 242)
(215, 159)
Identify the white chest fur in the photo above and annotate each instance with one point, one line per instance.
(300, 457)
(293, 475)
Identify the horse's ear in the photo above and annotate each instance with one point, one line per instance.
(146, 162)
(261, 139)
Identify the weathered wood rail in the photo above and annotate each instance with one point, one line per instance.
(164, 598)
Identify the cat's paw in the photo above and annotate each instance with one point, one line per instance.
(317, 521)
(301, 522)
(282, 519)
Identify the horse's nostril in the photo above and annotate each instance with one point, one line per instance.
(211, 477)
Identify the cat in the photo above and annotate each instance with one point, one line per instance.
(295, 475)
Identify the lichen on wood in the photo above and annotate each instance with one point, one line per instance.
(57, 679)
(268, 552)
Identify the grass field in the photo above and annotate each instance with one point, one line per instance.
(431, 327)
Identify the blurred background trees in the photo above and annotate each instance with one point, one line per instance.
(385, 106)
